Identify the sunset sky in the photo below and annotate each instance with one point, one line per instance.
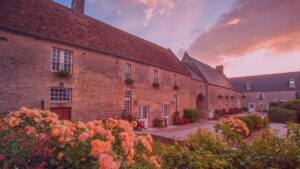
(247, 36)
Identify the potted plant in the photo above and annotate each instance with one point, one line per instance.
(129, 81)
(227, 97)
(232, 97)
(244, 96)
(63, 73)
(220, 96)
(155, 84)
(175, 87)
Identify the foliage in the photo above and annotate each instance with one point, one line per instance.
(176, 87)
(191, 114)
(129, 81)
(207, 150)
(249, 122)
(269, 151)
(230, 135)
(158, 122)
(63, 73)
(280, 115)
(54, 143)
(235, 125)
(176, 118)
(293, 132)
(202, 150)
(257, 120)
(155, 84)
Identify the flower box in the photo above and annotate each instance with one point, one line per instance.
(129, 81)
(64, 73)
(175, 87)
(155, 84)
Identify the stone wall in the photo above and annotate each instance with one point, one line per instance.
(97, 81)
(216, 103)
(261, 105)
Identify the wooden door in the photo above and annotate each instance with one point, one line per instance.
(64, 113)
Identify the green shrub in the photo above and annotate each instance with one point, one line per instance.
(275, 103)
(202, 150)
(293, 132)
(257, 120)
(176, 118)
(229, 134)
(269, 151)
(158, 123)
(281, 115)
(249, 122)
(191, 114)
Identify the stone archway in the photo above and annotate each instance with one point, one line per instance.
(200, 105)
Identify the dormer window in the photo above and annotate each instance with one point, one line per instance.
(248, 86)
(292, 83)
(260, 96)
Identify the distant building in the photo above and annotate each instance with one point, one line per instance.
(220, 93)
(56, 58)
(258, 91)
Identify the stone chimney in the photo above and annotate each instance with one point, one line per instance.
(220, 69)
(78, 7)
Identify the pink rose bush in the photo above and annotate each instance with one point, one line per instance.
(37, 139)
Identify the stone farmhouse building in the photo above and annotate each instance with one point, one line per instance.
(259, 91)
(56, 58)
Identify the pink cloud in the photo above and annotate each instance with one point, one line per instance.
(251, 25)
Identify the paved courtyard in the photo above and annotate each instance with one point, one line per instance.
(181, 132)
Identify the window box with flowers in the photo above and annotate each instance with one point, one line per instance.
(129, 81)
(227, 97)
(220, 97)
(155, 84)
(63, 73)
(176, 87)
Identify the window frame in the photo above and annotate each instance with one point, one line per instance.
(175, 100)
(62, 60)
(67, 94)
(163, 110)
(248, 86)
(261, 95)
(155, 76)
(292, 83)
(175, 79)
(127, 100)
(127, 71)
(141, 112)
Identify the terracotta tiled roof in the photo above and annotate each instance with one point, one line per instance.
(269, 82)
(202, 71)
(51, 20)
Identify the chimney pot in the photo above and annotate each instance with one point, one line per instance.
(220, 68)
(78, 7)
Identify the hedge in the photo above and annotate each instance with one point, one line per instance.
(281, 115)
(192, 115)
(249, 122)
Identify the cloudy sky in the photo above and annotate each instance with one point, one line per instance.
(247, 36)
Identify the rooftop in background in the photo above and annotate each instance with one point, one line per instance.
(203, 72)
(49, 20)
(268, 82)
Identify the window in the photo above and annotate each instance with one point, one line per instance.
(155, 76)
(292, 83)
(60, 94)
(174, 80)
(248, 86)
(166, 110)
(260, 96)
(127, 102)
(127, 71)
(175, 102)
(143, 112)
(61, 60)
